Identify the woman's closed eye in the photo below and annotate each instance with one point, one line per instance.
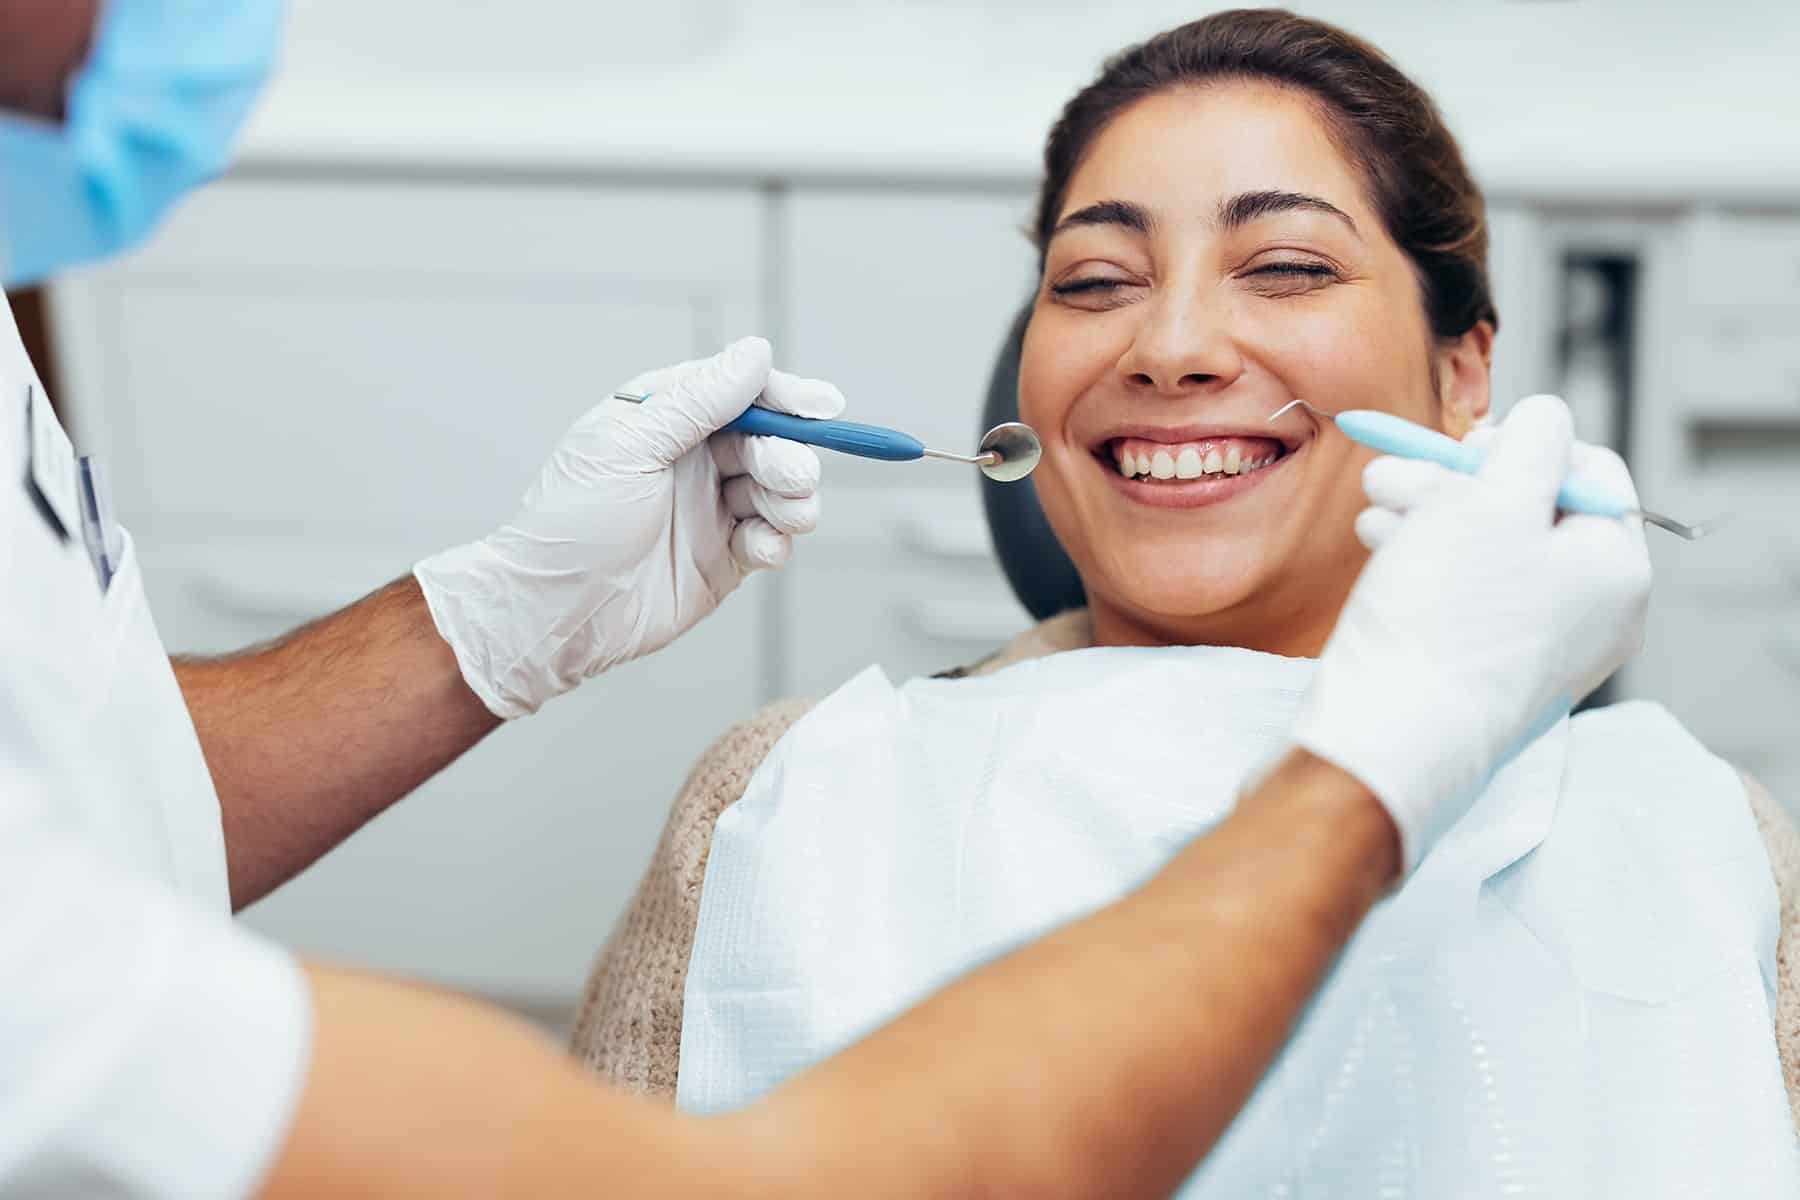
(1282, 277)
(1096, 292)
(1288, 277)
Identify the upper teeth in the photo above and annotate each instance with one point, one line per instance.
(1187, 462)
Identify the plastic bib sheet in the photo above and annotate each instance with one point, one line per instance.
(1571, 997)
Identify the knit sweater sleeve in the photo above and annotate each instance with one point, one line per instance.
(628, 1028)
(1782, 840)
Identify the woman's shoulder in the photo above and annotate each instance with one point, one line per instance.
(1641, 741)
(628, 1029)
(1666, 752)
(722, 772)
(1636, 745)
(1643, 753)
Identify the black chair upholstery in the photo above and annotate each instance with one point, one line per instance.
(1041, 575)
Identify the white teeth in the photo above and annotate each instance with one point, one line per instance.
(1188, 462)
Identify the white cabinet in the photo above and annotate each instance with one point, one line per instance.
(1522, 281)
(361, 361)
(302, 387)
(903, 299)
(1719, 432)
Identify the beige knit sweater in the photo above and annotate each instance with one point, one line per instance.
(629, 1027)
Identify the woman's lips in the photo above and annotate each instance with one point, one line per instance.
(1216, 469)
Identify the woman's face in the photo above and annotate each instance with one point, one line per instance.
(1216, 257)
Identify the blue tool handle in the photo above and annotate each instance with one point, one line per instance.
(864, 441)
(1396, 435)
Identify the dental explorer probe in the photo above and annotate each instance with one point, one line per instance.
(1007, 453)
(1396, 435)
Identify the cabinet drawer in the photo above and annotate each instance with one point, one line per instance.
(903, 577)
(902, 299)
(364, 362)
(1742, 263)
(505, 873)
(1733, 346)
(1738, 366)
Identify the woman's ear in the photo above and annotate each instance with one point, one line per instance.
(1462, 377)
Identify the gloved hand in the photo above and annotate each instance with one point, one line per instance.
(641, 522)
(1480, 619)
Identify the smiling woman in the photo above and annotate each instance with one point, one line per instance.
(1317, 236)
(1251, 209)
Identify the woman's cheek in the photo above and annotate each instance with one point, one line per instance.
(1054, 361)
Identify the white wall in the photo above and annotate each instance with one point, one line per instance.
(1614, 97)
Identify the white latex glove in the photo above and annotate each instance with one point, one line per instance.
(1480, 619)
(644, 518)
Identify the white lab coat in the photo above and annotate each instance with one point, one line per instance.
(148, 1046)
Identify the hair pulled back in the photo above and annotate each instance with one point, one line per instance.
(1384, 122)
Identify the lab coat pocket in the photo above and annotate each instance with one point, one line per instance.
(119, 608)
(159, 795)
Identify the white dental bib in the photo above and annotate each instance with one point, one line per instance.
(1572, 997)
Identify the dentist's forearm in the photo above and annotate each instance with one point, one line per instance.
(1103, 1061)
(310, 736)
(1107, 1059)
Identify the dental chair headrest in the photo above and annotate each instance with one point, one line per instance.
(1041, 575)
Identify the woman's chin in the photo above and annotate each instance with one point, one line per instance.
(1174, 597)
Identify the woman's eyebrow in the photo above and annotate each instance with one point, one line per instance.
(1134, 217)
(1246, 207)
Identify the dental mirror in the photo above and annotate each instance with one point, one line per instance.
(1009, 452)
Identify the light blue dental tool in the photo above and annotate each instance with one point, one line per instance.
(1007, 452)
(1396, 435)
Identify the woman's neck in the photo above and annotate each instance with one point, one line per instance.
(1295, 629)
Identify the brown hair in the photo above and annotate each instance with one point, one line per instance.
(1384, 122)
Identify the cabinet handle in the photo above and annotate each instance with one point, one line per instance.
(987, 625)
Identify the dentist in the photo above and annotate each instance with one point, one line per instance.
(152, 1048)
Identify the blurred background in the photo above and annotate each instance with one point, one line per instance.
(454, 227)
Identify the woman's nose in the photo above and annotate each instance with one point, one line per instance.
(1183, 345)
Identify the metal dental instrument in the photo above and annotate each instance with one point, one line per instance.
(1396, 435)
(1007, 452)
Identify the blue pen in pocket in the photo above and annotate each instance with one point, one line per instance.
(99, 528)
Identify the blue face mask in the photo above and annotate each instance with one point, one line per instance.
(151, 115)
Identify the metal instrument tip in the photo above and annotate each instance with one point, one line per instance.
(1692, 533)
(1298, 403)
